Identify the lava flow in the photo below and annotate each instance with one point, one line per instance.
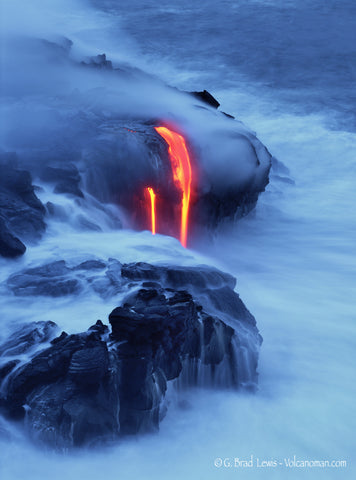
(153, 208)
(182, 173)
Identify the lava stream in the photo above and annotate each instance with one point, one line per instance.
(153, 209)
(182, 173)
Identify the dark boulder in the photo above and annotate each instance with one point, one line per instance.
(45, 367)
(28, 336)
(25, 340)
(201, 277)
(94, 386)
(66, 179)
(10, 246)
(164, 333)
(51, 280)
(207, 98)
(91, 265)
(53, 269)
(69, 389)
(19, 184)
(89, 365)
(21, 212)
(7, 367)
(56, 279)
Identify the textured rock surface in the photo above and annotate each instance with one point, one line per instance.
(28, 336)
(49, 280)
(207, 98)
(10, 246)
(97, 385)
(21, 212)
(65, 178)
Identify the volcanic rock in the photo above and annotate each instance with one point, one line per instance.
(94, 386)
(207, 98)
(10, 246)
(21, 212)
(65, 178)
(49, 280)
(201, 277)
(27, 336)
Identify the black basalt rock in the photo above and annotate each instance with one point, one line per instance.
(207, 98)
(65, 178)
(158, 330)
(95, 386)
(201, 277)
(28, 336)
(10, 246)
(69, 391)
(51, 280)
(89, 365)
(21, 212)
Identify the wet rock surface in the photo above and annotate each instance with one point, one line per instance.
(21, 212)
(51, 280)
(57, 279)
(109, 381)
(28, 336)
(10, 245)
(65, 179)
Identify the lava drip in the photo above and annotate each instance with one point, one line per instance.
(182, 173)
(152, 197)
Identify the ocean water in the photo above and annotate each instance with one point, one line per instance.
(287, 70)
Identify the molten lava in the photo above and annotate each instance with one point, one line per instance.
(182, 173)
(153, 209)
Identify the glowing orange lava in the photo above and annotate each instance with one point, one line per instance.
(182, 173)
(153, 209)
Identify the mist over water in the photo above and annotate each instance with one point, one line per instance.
(304, 49)
(286, 69)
